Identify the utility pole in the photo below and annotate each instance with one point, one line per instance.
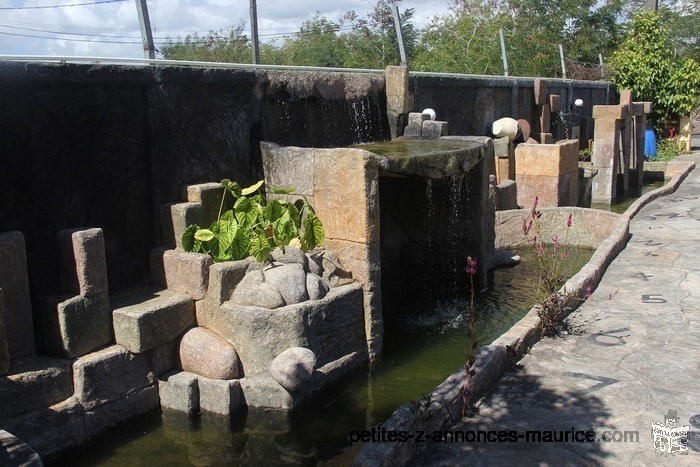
(503, 53)
(254, 32)
(149, 48)
(653, 4)
(399, 36)
(563, 65)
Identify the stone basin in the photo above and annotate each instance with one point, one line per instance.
(438, 158)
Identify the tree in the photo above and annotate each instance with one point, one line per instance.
(644, 64)
(316, 44)
(230, 45)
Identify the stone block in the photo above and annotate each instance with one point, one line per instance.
(109, 375)
(544, 118)
(224, 277)
(433, 129)
(34, 383)
(72, 327)
(51, 430)
(413, 130)
(504, 150)
(221, 397)
(14, 282)
(546, 159)
(417, 119)
(147, 317)
(139, 402)
(330, 327)
(347, 194)
(181, 271)
(83, 263)
(545, 138)
(264, 392)
(648, 107)
(4, 351)
(554, 102)
(396, 85)
(164, 358)
(626, 97)
(616, 112)
(552, 190)
(209, 195)
(288, 167)
(507, 195)
(636, 109)
(179, 391)
(361, 259)
(183, 215)
(541, 89)
(204, 353)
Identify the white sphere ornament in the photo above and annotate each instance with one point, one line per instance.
(430, 113)
(578, 102)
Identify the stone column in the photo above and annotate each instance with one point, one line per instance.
(398, 98)
(606, 148)
(548, 171)
(626, 138)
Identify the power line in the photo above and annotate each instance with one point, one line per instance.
(59, 6)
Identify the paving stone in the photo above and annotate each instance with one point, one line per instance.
(83, 263)
(179, 391)
(148, 317)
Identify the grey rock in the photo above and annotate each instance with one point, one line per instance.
(264, 392)
(505, 259)
(291, 255)
(293, 367)
(105, 416)
(83, 262)
(179, 391)
(317, 287)
(315, 262)
(290, 280)
(204, 353)
(333, 271)
(254, 291)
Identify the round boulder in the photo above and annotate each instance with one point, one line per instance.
(205, 353)
(293, 367)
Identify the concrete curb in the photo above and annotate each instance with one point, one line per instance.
(444, 408)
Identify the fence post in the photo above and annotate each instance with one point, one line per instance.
(503, 53)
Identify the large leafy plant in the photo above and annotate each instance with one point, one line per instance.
(255, 225)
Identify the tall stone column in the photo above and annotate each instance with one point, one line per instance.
(398, 98)
(606, 151)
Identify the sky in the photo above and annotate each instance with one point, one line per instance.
(38, 27)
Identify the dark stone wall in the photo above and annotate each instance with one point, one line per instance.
(105, 146)
(470, 104)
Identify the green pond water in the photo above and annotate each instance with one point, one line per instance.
(421, 349)
(621, 206)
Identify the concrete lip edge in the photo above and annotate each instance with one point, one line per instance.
(493, 360)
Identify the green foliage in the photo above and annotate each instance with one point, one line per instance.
(645, 64)
(667, 149)
(231, 45)
(254, 226)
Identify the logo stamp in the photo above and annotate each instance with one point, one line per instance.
(669, 438)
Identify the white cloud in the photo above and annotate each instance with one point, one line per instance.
(45, 31)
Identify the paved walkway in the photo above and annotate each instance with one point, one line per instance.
(633, 355)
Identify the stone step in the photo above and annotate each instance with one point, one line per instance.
(147, 317)
(33, 383)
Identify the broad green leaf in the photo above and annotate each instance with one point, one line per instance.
(189, 243)
(273, 210)
(282, 191)
(203, 235)
(313, 234)
(240, 244)
(294, 215)
(247, 212)
(233, 187)
(224, 233)
(251, 189)
(259, 246)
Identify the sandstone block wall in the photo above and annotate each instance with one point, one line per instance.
(548, 171)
